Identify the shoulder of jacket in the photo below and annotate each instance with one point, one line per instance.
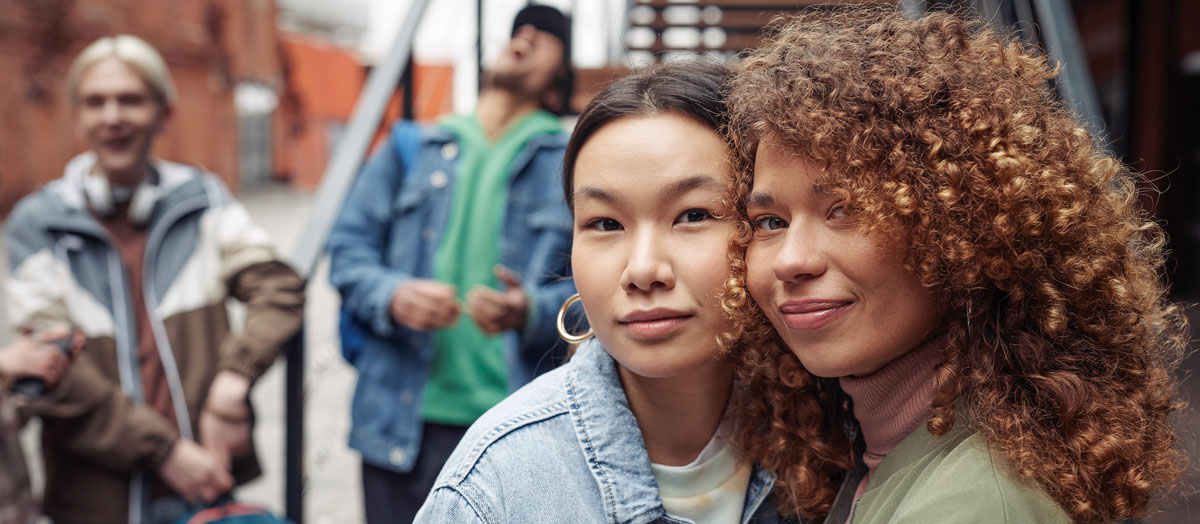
(550, 142)
(30, 209)
(972, 480)
(539, 402)
(181, 182)
(422, 132)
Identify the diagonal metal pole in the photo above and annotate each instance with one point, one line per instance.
(1062, 41)
(1052, 24)
(347, 156)
(335, 185)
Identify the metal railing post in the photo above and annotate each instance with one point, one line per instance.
(1051, 23)
(335, 185)
(1061, 38)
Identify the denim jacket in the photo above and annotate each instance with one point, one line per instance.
(388, 231)
(565, 448)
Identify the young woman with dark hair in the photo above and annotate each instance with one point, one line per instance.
(954, 268)
(633, 428)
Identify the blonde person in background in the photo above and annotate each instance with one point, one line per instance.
(141, 254)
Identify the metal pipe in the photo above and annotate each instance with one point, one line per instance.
(348, 155)
(409, 90)
(293, 453)
(478, 46)
(335, 185)
(1075, 86)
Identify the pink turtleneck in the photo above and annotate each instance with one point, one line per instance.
(893, 402)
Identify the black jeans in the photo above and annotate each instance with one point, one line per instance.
(389, 496)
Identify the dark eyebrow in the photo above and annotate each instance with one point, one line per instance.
(675, 189)
(760, 200)
(680, 187)
(594, 193)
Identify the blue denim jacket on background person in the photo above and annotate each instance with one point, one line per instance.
(388, 231)
(565, 448)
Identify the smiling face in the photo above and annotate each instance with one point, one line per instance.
(117, 116)
(649, 256)
(842, 300)
(529, 64)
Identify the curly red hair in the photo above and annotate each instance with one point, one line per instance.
(1061, 337)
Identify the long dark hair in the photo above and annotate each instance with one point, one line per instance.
(694, 87)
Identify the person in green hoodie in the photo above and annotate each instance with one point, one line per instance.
(451, 256)
(951, 300)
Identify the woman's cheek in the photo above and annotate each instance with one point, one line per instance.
(759, 276)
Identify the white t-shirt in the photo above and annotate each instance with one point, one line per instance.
(709, 490)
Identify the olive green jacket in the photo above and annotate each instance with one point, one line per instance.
(948, 479)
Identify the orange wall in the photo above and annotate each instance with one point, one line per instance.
(323, 85)
(326, 78)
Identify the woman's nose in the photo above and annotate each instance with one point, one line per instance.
(649, 264)
(801, 256)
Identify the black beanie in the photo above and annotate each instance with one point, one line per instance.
(548, 19)
(553, 21)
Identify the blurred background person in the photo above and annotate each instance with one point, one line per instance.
(24, 358)
(141, 254)
(450, 255)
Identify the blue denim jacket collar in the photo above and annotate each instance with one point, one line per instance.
(602, 419)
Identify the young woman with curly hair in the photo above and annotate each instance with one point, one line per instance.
(955, 272)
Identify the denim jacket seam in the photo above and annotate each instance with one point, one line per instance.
(759, 490)
(474, 499)
(498, 431)
(466, 494)
(607, 495)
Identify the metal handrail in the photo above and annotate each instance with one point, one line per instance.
(1050, 23)
(336, 181)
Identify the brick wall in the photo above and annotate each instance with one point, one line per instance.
(209, 46)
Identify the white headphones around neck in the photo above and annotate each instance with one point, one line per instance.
(141, 205)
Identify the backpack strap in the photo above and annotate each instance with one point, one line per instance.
(405, 137)
(406, 140)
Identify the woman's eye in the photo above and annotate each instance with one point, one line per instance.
(768, 223)
(603, 224)
(839, 211)
(693, 215)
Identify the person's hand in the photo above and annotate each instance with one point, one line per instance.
(496, 311)
(423, 304)
(224, 423)
(195, 473)
(78, 339)
(27, 357)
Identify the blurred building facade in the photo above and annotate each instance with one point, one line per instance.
(212, 48)
(323, 80)
(1145, 64)
(264, 88)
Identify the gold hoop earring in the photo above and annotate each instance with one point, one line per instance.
(561, 323)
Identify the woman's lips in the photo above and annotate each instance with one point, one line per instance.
(813, 314)
(654, 325)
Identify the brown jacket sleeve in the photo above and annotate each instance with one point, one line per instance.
(274, 298)
(88, 414)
